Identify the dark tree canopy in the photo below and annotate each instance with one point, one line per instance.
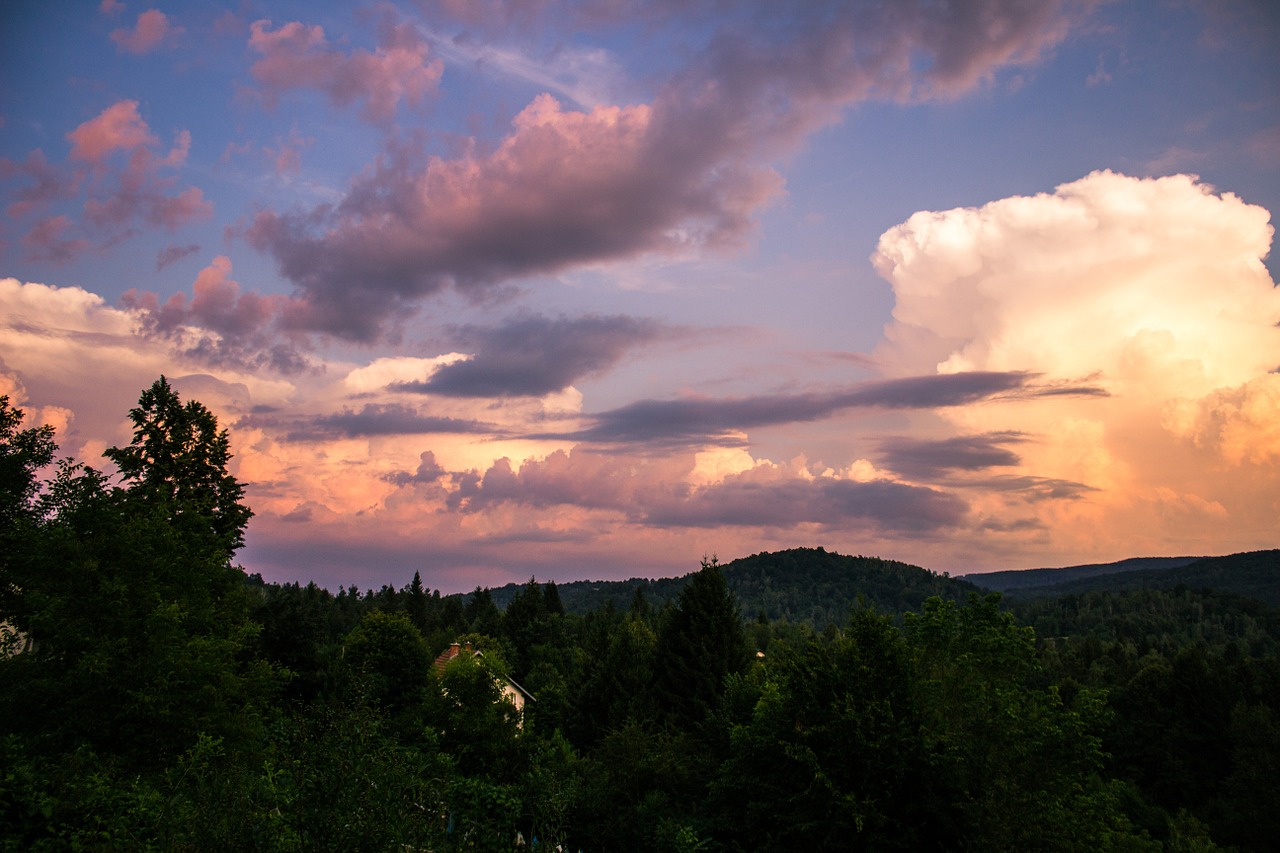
(178, 460)
(701, 643)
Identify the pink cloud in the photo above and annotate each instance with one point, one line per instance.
(286, 157)
(125, 181)
(142, 193)
(243, 323)
(110, 7)
(565, 188)
(50, 183)
(297, 56)
(117, 128)
(151, 29)
(45, 241)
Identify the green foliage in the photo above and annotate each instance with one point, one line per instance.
(478, 727)
(177, 465)
(149, 715)
(389, 660)
(1251, 575)
(23, 452)
(699, 644)
(1026, 768)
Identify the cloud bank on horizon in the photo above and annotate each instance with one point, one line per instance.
(591, 289)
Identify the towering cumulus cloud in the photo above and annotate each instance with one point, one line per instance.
(1154, 288)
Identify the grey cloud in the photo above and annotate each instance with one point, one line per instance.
(384, 419)
(170, 255)
(923, 459)
(656, 498)
(890, 507)
(1035, 489)
(533, 356)
(709, 420)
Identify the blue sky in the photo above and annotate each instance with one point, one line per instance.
(593, 289)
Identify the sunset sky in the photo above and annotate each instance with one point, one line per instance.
(593, 289)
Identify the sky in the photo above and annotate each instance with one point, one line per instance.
(594, 290)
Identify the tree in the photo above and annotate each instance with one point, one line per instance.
(177, 463)
(22, 454)
(140, 621)
(700, 644)
(390, 659)
(416, 604)
(551, 597)
(830, 757)
(1025, 769)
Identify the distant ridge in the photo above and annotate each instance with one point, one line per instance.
(800, 585)
(1252, 574)
(1026, 578)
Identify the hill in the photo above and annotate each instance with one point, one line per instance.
(1253, 574)
(799, 585)
(1016, 579)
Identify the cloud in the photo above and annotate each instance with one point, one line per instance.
(45, 241)
(151, 30)
(533, 356)
(664, 494)
(390, 419)
(564, 188)
(926, 459)
(298, 56)
(87, 358)
(428, 471)
(124, 181)
(688, 171)
(1111, 275)
(117, 128)
(220, 323)
(888, 508)
(170, 255)
(49, 184)
(1152, 287)
(698, 420)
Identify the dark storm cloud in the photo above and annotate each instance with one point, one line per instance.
(923, 459)
(533, 356)
(710, 420)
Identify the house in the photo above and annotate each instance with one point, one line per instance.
(511, 690)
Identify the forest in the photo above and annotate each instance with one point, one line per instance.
(153, 696)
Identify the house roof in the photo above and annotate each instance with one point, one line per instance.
(456, 649)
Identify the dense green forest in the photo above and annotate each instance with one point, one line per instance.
(154, 697)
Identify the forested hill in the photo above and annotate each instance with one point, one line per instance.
(1254, 574)
(1015, 579)
(800, 585)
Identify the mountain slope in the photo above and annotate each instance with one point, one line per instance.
(1253, 574)
(800, 585)
(1016, 579)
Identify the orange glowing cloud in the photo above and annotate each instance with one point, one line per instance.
(1155, 289)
